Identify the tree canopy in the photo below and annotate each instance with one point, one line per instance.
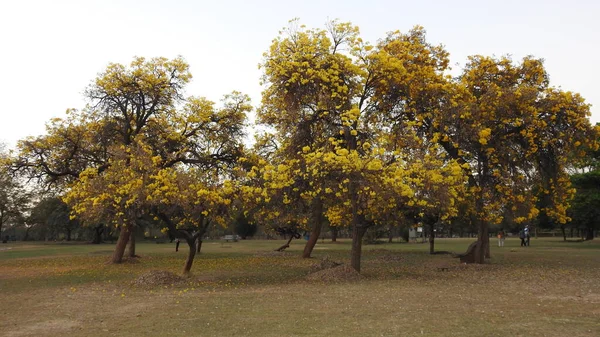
(111, 156)
(358, 135)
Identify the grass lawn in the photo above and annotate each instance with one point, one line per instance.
(243, 289)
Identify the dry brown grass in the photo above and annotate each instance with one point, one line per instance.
(542, 291)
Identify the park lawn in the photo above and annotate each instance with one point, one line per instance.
(244, 289)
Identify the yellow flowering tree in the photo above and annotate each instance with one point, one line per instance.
(273, 196)
(331, 97)
(137, 116)
(309, 79)
(441, 187)
(116, 195)
(506, 127)
(188, 203)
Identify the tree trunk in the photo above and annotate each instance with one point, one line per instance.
(199, 245)
(334, 234)
(564, 232)
(391, 234)
(190, 258)
(121, 244)
(189, 238)
(316, 229)
(358, 232)
(131, 251)
(482, 249)
(431, 238)
(68, 235)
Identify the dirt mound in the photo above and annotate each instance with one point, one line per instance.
(157, 278)
(343, 273)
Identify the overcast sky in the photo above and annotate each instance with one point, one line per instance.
(51, 50)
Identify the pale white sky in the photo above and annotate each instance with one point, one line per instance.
(51, 50)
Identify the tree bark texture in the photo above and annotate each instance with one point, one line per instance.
(316, 229)
(121, 244)
(482, 249)
(358, 232)
(191, 241)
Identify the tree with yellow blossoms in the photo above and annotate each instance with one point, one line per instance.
(137, 124)
(323, 94)
(516, 134)
(506, 127)
(309, 80)
(331, 94)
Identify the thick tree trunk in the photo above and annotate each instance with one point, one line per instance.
(131, 250)
(199, 245)
(334, 234)
(191, 254)
(358, 232)
(482, 249)
(391, 234)
(316, 229)
(68, 235)
(121, 244)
